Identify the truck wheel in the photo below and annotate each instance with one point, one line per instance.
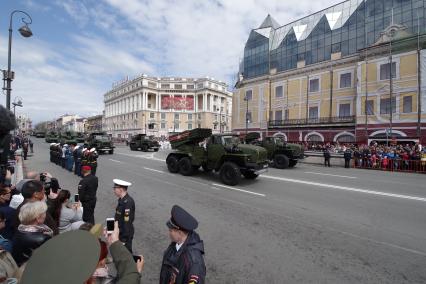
(230, 173)
(292, 163)
(132, 148)
(250, 175)
(156, 149)
(206, 169)
(111, 152)
(172, 164)
(185, 166)
(144, 148)
(281, 161)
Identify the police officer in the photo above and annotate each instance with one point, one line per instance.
(125, 212)
(183, 260)
(87, 192)
(327, 157)
(93, 160)
(348, 157)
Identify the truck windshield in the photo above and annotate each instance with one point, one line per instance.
(230, 140)
(102, 138)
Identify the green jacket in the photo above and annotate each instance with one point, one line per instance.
(126, 267)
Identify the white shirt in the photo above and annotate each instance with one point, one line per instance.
(178, 246)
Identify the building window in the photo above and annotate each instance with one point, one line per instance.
(189, 116)
(176, 116)
(163, 125)
(215, 117)
(189, 126)
(163, 116)
(190, 87)
(407, 104)
(165, 86)
(248, 117)
(176, 125)
(151, 115)
(200, 85)
(345, 80)
(344, 110)
(279, 92)
(385, 106)
(152, 85)
(151, 126)
(385, 71)
(215, 126)
(278, 115)
(199, 116)
(313, 85)
(370, 107)
(313, 112)
(286, 114)
(178, 86)
(199, 125)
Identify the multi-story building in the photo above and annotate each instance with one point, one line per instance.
(353, 72)
(24, 124)
(93, 123)
(160, 106)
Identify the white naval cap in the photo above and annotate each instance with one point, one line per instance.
(51, 144)
(121, 182)
(92, 150)
(84, 149)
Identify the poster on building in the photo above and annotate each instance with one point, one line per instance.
(423, 79)
(177, 102)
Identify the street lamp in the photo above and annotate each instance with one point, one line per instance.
(25, 31)
(247, 118)
(15, 104)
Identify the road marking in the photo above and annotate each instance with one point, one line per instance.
(417, 198)
(237, 189)
(115, 161)
(154, 170)
(148, 157)
(314, 173)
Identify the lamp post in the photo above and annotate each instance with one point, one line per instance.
(247, 119)
(15, 104)
(25, 31)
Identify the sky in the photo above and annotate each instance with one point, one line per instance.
(79, 48)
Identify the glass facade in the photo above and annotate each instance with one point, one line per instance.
(346, 28)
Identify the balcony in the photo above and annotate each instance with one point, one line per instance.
(317, 122)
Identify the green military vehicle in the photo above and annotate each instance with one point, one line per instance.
(40, 134)
(52, 137)
(67, 137)
(79, 137)
(222, 153)
(282, 155)
(101, 142)
(144, 142)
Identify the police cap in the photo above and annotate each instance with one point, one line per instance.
(181, 220)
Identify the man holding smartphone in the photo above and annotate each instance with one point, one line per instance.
(87, 192)
(125, 212)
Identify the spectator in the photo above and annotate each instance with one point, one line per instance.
(33, 191)
(8, 268)
(348, 157)
(32, 232)
(9, 214)
(5, 243)
(67, 216)
(327, 157)
(52, 193)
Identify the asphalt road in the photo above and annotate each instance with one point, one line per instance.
(305, 225)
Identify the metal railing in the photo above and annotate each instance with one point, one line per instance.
(393, 165)
(313, 121)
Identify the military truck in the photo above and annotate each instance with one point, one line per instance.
(144, 142)
(222, 153)
(282, 155)
(52, 137)
(40, 134)
(67, 137)
(101, 142)
(79, 137)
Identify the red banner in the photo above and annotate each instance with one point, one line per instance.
(177, 102)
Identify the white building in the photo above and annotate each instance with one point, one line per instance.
(159, 106)
(24, 123)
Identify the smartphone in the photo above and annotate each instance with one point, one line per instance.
(76, 198)
(136, 258)
(110, 225)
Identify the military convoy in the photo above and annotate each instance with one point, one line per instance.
(222, 153)
(144, 143)
(51, 137)
(282, 155)
(101, 142)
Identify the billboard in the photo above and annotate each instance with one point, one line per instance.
(177, 102)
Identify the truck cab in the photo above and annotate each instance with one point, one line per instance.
(144, 143)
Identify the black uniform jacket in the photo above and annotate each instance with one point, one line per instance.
(185, 266)
(87, 188)
(125, 215)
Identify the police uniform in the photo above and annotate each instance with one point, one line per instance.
(125, 215)
(87, 192)
(93, 160)
(183, 264)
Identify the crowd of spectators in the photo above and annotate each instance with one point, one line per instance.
(31, 217)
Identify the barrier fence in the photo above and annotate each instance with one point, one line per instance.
(393, 165)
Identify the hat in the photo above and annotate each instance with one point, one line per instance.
(93, 150)
(181, 219)
(122, 183)
(86, 168)
(79, 260)
(16, 200)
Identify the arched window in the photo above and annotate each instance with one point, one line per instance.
(345, 139)
(314, 138)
